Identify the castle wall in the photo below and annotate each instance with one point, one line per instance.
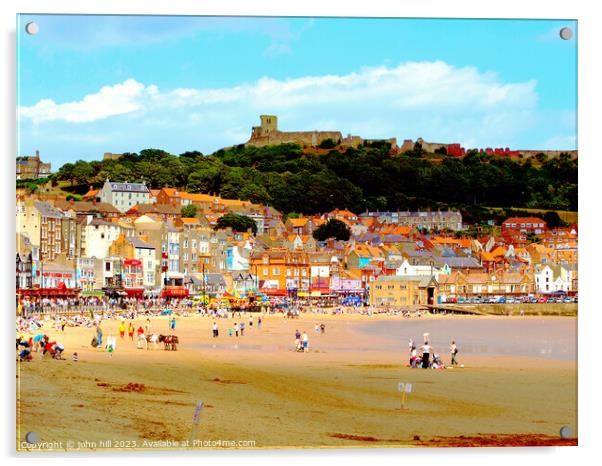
(307, 138)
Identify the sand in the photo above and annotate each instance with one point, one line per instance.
(261, 394)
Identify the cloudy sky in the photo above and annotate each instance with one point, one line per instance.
(94, 84)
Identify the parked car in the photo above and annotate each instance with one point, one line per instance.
(550, 300)
(461, 300)
(568, 299)
(502, 300)
(541, 300)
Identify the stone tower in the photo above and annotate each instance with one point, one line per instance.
(269, 124)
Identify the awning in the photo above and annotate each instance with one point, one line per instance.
(274, 292)
(93, 293)
(175, 291)
(49, 292)
(134, 292)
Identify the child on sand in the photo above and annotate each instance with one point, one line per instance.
(131, 331)
(413, 357)
(122, 329)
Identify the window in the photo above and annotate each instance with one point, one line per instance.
(107, 266)
(276, 271)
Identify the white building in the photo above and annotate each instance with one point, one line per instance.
(85, 273)
(552, 278)
(99, 235)
(124, 196)
(407, 269)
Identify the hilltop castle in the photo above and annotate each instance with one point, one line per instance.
(268, 133)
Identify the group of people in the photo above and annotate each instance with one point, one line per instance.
(238, 329)
(39, 343)
(301, 342)
(425, 361)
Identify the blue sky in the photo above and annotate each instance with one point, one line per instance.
(94, 84)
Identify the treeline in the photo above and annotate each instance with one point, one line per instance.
(296, 180)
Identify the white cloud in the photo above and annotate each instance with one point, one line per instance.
(126, 97)
(434, 100)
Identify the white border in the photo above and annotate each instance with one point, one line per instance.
(590, 151)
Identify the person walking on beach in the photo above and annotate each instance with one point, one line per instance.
(131, 331)
(99, 335)
(147, 328)
(122, 329)
(215, 330)
(259, 322)
(297, 340)
(426, 355)
(250, 321)
(236, 328)
(172, 323)
(242, 329)
(453, 350)
(322, 328)
(305, 341)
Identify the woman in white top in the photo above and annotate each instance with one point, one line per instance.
(426, 354)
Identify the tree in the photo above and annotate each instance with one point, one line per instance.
(327, 143)
(332, 229)
(189, 211)
(552, 219)
(240, 223)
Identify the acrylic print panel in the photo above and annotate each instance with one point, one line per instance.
(247, 232)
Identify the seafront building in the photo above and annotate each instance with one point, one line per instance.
(133, 241)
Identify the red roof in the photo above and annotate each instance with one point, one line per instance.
(524, 220)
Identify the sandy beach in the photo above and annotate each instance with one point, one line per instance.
(258, 393)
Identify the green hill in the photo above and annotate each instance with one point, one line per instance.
(294, 179)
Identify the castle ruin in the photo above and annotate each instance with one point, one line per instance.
(269, 134)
